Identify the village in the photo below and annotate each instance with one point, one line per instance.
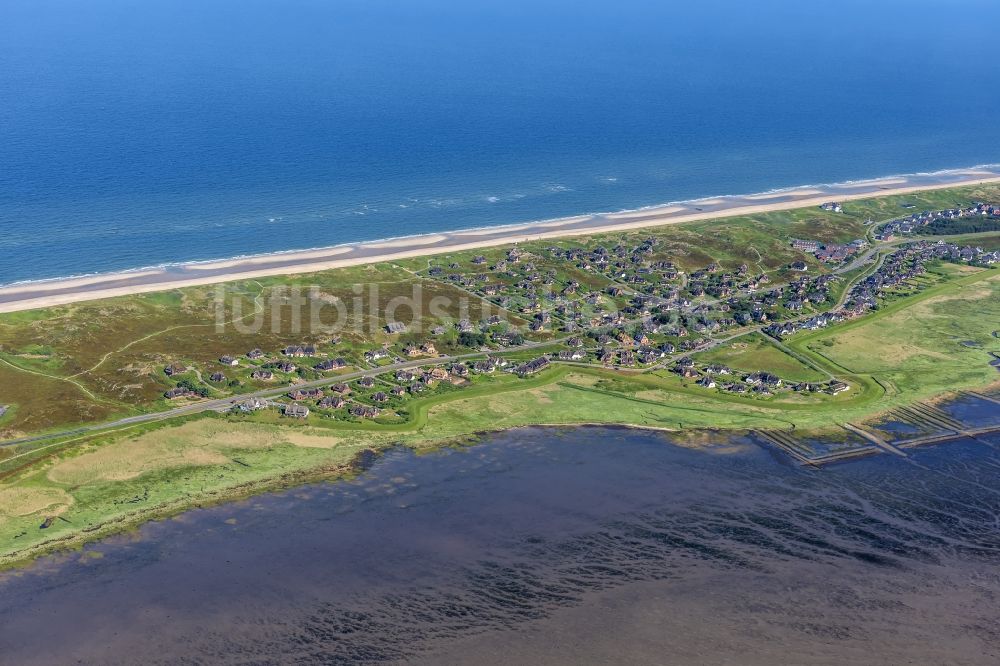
(620, 307)
(897, 270)
(913, 223)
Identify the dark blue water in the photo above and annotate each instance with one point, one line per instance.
(137, 132)
(547, 546)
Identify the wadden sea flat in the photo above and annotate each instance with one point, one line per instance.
(587, 545)
(146, 133)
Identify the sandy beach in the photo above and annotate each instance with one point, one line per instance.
(60, 292)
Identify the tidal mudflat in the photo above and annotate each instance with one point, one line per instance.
(586, 545)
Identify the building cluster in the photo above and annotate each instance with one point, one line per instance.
(621, 305)
(760, 383)
(366, 397)
(911, 223)
(830, 253)
(897, 270)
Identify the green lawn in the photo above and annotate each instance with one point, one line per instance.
(756, 352)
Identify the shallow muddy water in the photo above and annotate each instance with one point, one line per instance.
(588, 545)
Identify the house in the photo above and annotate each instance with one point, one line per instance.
(381, 396)
(706, 382)
(395, 327)
(342, 389)
(647, 355)
(364, 411)
(295, 351)
(799, 266)
(497, 361)
(376, 354)
(460, 370)
(429, 349)
(253, 405)
(366, 382)
(763, 379)
(229, 360)
(838, 387)
(332, 402)
(179, 392)
(285, 366)
(297, 411)
(306, 394)
(255, 354)
(438, 373)
(330, 364)
(262, 375)
(531, 367)
(217, 377)
(398, 391)
(174, 369)
(809, 246)
(572, 355)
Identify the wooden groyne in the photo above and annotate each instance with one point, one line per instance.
(786, 442)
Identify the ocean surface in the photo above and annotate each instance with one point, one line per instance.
(143, 132)
(544, 546)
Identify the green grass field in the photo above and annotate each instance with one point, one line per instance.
(923, 347)
(753, 353)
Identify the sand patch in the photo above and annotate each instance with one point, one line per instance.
(404, 243)
(870, 183)
(128, 460)
(20, 502)
(562, 221)
(581, 380)
(321, 253)
(649, 212)
(541, 396)
(764, 196)
(311, 441)
(198, 444)
(490, 231)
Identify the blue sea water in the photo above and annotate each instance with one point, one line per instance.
(140, 132)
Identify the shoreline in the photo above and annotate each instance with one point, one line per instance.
(22, 561)
(63, 291)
